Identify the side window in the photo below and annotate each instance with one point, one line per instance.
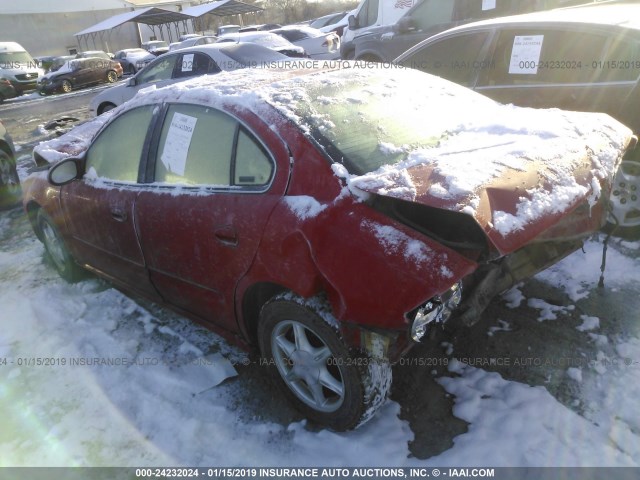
(433, 12)
(158, 71)
(539, 56)
(116, 153)
(196, 145)
(454, 58)
(368, 13)
(194, 64)
(203, 146)
(621, 61)
(252, 166)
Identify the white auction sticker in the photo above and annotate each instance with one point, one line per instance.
(176, 146)
(187, 63)
(525, 55)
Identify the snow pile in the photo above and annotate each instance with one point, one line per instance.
(162, 411)
(515, 424)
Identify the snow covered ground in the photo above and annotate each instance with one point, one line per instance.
(157, 402)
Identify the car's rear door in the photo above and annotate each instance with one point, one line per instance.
(200, 223)
(99, 208)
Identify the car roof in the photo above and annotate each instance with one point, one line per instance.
(239, 86)
(615, 13)
(266, 88)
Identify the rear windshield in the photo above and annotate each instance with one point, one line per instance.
(252, 55)
(266, 39)
(367, 120)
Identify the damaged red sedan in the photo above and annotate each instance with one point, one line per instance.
(328, 217)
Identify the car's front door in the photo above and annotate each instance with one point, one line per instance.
(99, 208)
(215, 185)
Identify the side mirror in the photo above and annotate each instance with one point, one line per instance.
(64, 172)
(404, 25)
(131, 82)
(353, 22)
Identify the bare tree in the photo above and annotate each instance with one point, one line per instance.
(288, 10)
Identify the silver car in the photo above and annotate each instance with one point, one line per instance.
(179, 65)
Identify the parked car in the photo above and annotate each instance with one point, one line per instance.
(133, 59)
(7, 90)
(264, 27)
(44, 62)
(427, 17)
(331, 249)
(327, 19)
(181, 64)
(94, 54)
(10, 192)
(581, 58)
(196, 41)
(18, 67)
(265, 39)
(226, 29)
(58, 62)
(337, 27)
(156, 47)
(78, 73)
(317, 44)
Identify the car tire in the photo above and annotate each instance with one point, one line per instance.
(66, 86)
(56, 249)
(624, 219)
(132, 70)
(10, 192)
(310, 363)
(112, 76)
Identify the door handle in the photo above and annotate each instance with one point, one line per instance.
(227, 235)
(119, 215)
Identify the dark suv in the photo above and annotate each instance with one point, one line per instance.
(583, 58)
(429, 17)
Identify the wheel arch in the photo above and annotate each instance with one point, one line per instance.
(7, 149)
(32, 208)
(104, 105)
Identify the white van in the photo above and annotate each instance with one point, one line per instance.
(17, 66)
(368, 15)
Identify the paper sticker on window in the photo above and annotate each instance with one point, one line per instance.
(187, 63)
(488, 5)
(176, 146)
(525, 55)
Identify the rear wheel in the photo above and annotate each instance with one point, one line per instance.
(112, 76)
(66, 86)
(313, 367)
(624, 219)
(10, 191)
(56, 249)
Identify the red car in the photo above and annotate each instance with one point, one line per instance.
(329, 217)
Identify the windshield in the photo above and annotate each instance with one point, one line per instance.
(366, 119)
(16, 60)
(266, 39)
